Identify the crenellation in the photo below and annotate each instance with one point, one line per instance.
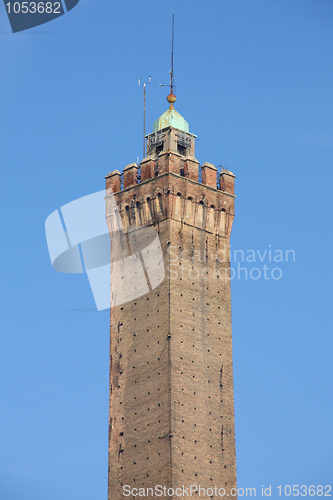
(148, 166)
(227, 182)
(209, 175)
(191, 169)
(114, 181)
(130, 175)
(171, 162)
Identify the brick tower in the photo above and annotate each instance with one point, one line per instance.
(171, 372)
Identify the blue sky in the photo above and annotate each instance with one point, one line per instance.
(254, 80)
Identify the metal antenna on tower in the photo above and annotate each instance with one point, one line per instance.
(143, 84)
(173, 38)
(171, 97)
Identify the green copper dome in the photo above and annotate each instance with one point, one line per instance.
(171, 118)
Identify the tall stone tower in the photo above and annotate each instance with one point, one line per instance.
(171, 372)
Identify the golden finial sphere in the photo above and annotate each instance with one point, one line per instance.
(171, 98)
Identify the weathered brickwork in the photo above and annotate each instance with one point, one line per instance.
(171, 375)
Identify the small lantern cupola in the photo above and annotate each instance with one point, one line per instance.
(171, 133)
